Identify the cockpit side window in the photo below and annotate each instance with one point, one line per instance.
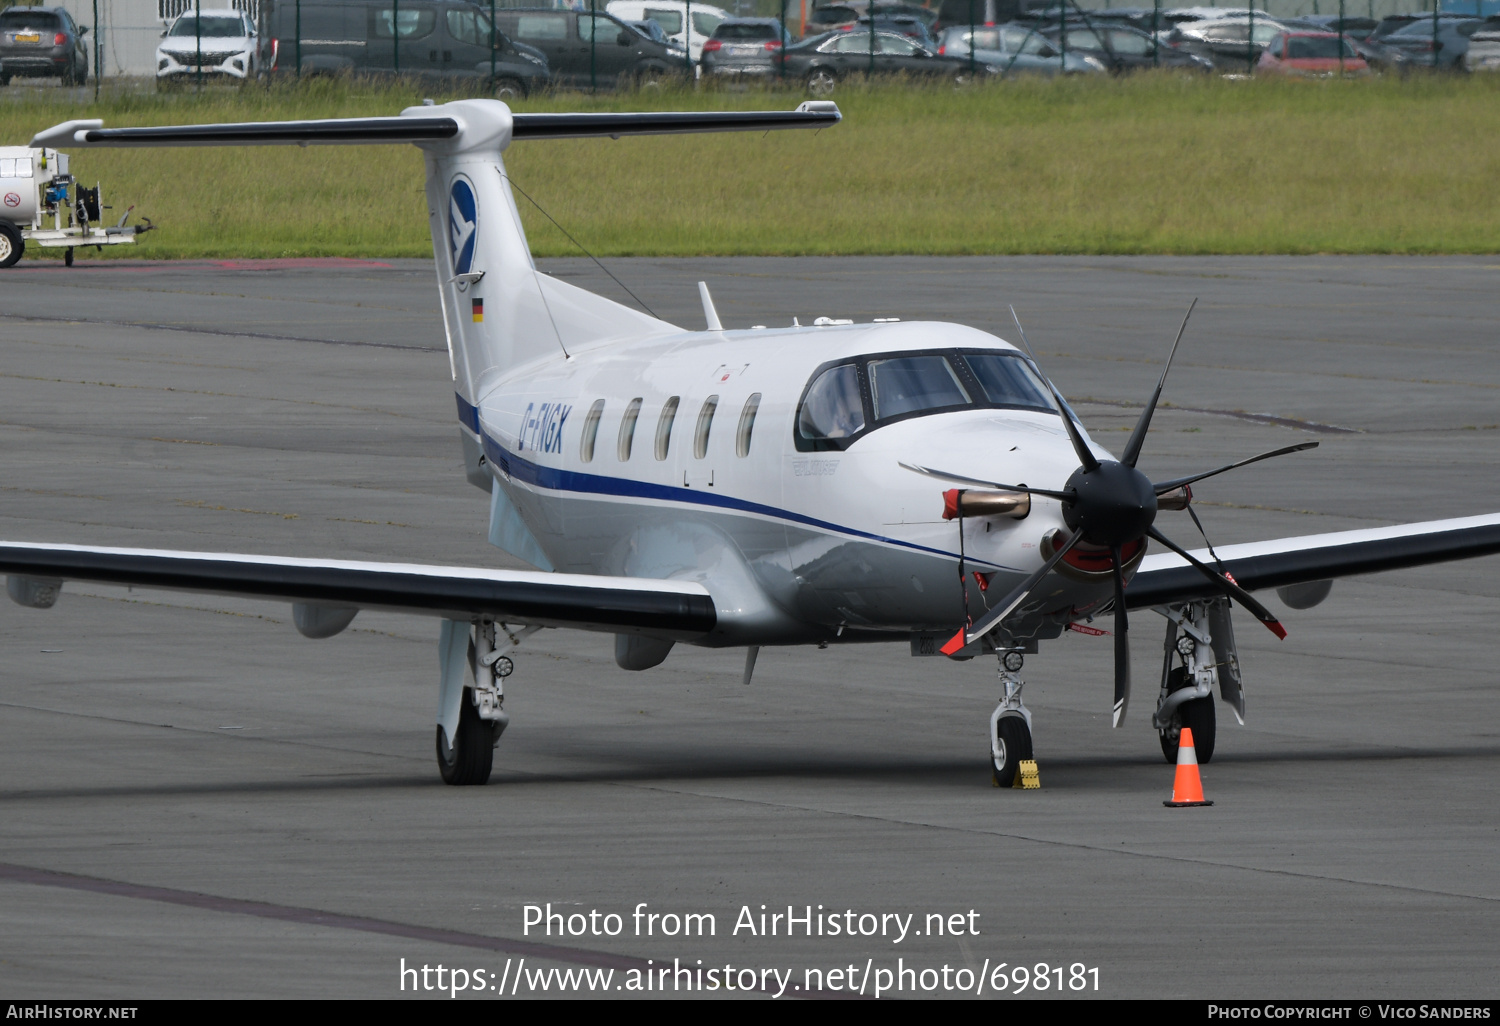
(1008, 380)
(908, 384)
(832, 409)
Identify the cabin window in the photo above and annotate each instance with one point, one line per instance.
(705, 425)
(1008, 380)
(627, 429)
(664, 427)
(832, 408)
(747, 425)
(590, 431)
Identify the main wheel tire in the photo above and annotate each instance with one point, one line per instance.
(508, 89)
(821, 82)
(11, 245)
(469, 759)
(1198, 716)
(1013, 742)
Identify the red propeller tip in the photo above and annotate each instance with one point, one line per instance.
(1274, 626)
(955, 644)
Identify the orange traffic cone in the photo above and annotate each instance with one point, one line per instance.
(1187, 789)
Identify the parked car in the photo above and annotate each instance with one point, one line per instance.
(823, 60)
(1311, 54)
(912, 28)
(1443, 49)
(826, 19)
(745, 46)
(952, 13)
(1121, 48)
(1014, 50)
(591, 50)
(42, 42)
(1484, 47)
(672, 16)
(1356, 28)
(1230, 44)
(222, 43)
(447, 41)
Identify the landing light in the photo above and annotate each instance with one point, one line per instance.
(1186, 645)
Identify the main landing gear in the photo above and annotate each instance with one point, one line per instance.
(471, 696)
(1200, 638)
(1010, 723)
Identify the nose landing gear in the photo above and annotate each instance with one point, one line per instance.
(1010, 724)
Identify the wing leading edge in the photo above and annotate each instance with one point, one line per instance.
(1167, 578)
(672, 609)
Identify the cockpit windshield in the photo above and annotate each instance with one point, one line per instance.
(907, 384)
(845, 400)
(1007, 380)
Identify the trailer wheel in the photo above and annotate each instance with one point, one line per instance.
(11, 245)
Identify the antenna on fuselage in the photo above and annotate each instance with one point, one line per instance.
(709, 313)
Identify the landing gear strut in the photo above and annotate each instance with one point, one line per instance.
(1010, 723)
(1200, 637)
(471, 697)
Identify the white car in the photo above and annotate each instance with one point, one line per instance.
(672, 16)
(228, 45)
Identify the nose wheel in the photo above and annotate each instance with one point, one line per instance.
(1011, 744)
(1010, 724)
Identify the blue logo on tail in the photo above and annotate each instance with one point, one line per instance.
(463, 224)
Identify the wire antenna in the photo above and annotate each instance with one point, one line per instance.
(575, 242)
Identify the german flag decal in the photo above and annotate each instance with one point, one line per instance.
(478, 306)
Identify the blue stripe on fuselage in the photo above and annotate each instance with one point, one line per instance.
(553, 479)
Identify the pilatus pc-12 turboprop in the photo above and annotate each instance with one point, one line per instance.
(742, 488)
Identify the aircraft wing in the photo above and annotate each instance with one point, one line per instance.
(1167, 578)
(681, 610)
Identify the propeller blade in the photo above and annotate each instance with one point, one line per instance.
(1162, 487)
(1229, 588)
(1138, 436)
(961, 479)
(968, 635)
(1080, 447)
(1122, 643)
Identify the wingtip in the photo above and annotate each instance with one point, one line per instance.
(1274, 626)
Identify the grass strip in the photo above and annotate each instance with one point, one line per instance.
(1153, 163)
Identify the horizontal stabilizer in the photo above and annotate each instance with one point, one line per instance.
(420, 128)
(679, 609)
(812, 114)
(332, 131)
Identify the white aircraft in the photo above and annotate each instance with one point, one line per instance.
(750, 487)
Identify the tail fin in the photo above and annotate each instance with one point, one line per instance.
(499, 311)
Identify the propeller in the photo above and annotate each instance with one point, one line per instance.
(1110, 505)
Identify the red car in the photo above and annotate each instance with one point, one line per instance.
(1311, 53)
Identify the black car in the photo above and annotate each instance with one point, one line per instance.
(822, 60)
(442, 40)
(592, 50)
(42, 42)
(1121, 48)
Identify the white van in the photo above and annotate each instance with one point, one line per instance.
(671, 15)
